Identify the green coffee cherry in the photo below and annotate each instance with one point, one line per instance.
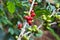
(16, 37)
(58, 16)
(25, 37)
(49, 24)
(48, 20)
(44, 17)
(57, 5)
(34, 28)
(49, 16)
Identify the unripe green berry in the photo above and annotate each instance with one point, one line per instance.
(25, 37)
(44, 17)
(48, 20)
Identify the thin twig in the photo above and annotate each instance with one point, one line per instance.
(30, 35)
(27, 33)
(31, 6)
(53, 23)
(41, 24)
(54, 11)
(23, 29)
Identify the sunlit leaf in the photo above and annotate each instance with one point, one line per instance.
(11, 7)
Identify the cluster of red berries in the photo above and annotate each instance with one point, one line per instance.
(29, 18)
(20, 26)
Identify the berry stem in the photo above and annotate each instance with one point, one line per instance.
(40, 25)
(53, 13)
(31, 6)
(53, 23)
(27, 33)
(30, 35)
(23, 29)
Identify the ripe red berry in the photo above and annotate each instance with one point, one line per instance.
(35, 3)
(25, 17)
(30, 1)
(29, 22)
(33, 14)
(29, 18)
(32, 11)
(20, 26)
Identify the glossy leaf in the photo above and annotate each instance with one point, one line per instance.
(11, 31)
(11, 7)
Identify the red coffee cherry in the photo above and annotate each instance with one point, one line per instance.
(20, 26)
(35, 3)
(28, 17)
(30, 1)
(29, 22)
(32, 11)
(25, 17)
(33, 14)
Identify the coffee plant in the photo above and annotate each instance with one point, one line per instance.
(17, 18)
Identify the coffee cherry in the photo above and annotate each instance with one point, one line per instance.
(49, 24)
(35, 3)
(57, 5)
(16, 37)
(30, 1)
(58, 17)
(34, 28)
(25, 37)
(29, 18)
(29, 22)
(33, 14)
(49, 20)
(25, 17)
(44, 17)
(32, 11)
(20, 26)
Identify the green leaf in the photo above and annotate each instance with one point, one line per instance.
(11, 31)
(4, 21)
(40, 12)
(10, 23)
(11, 7)
(1, 12)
